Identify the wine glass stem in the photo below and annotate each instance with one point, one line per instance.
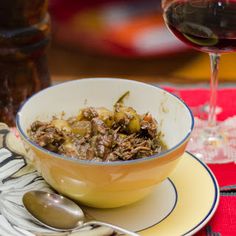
(214, 59)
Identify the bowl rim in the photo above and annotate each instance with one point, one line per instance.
(105, 163)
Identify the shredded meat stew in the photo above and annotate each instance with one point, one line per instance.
(100, 134)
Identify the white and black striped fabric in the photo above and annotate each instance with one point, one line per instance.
(16, 178)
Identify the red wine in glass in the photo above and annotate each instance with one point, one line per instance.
(206, 25)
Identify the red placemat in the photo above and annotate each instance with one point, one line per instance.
(223, 223)
(196, 98)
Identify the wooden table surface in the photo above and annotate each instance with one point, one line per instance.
(187, 67)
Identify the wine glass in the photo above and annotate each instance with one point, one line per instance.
(208, 26)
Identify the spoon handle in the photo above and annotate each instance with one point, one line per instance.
(115, 227)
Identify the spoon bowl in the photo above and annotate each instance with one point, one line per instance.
(46, 207)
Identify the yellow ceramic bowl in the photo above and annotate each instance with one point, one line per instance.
(107, 184)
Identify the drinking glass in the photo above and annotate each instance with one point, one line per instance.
(208, 26)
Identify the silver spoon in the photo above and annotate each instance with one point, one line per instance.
(59, 213)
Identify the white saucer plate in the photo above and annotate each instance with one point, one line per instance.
(181, 205)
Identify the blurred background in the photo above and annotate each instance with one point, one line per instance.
(126, 39)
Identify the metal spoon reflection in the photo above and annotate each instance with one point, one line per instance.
(59, 213)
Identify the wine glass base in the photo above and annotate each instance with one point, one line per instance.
(215, 144)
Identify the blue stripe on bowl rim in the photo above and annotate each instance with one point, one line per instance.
(115, 163)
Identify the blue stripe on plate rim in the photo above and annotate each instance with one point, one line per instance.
(215, 202)
(212, 210)
(174, 205)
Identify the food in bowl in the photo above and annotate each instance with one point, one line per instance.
(100, 134)
(106, 184)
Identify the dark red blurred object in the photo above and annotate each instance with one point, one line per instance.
(24, 36)
(118, 27)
